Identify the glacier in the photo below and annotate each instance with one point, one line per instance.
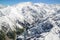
(41, 20)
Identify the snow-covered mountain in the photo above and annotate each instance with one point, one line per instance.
(42, 20)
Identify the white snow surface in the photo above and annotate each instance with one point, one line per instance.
(43, 19)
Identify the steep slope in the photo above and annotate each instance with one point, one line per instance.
(42, 20)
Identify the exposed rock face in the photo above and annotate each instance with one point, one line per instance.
(41, 20)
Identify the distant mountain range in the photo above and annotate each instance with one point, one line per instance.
(42, 20)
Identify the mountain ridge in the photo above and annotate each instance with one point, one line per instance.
(40, 19)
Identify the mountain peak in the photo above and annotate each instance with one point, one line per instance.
(38, 18)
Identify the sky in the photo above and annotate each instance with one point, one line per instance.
(12, 2)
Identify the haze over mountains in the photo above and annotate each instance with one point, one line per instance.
(42, 20)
